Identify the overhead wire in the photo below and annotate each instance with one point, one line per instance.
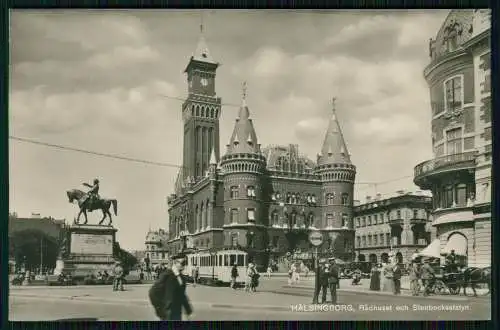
(143, 161)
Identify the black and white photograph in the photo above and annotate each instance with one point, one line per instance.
(202, 165)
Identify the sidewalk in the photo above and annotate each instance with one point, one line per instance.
(364, 287)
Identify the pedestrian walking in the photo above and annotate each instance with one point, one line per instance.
(415, 278)
(306, 271)
(388, 283)
(375, 278)
(333, 279)
(195, 273)
(396, 277)
(249, 277)
(234, 276)
(168, 293)
(428, 276)
(118, 274)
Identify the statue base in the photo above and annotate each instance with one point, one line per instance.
(90, 251)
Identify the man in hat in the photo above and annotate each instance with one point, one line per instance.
(333, 279)
(322, 278)
(427, 275)
(118, 276)
(173, 297)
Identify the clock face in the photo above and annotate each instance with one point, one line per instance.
(204, 82)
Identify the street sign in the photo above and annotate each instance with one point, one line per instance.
(316, 238)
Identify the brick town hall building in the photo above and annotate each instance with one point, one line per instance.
(263, 200)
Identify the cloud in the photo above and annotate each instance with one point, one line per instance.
(107, 81)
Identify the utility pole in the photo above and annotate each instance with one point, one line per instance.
(41, 255)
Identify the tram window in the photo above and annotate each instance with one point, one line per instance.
(241, 261)
(232, 259)
(220, 261)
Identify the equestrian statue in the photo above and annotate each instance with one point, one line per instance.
(91, 201)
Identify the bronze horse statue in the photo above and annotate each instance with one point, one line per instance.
(86, 204)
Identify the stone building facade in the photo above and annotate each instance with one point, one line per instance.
(459, 175)
(400, 224)
(262, 199)
(156, 246)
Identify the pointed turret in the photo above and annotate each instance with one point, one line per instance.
(243, 139)
(334, 150)
(213, 160)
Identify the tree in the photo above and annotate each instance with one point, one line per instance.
(127, 259)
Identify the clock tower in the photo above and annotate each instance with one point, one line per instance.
(201, 112)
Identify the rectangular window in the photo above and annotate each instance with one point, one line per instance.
(398, 215)
(275, 241)
(232, 259)
(250, 191)
(453, 94)
(363, 240)
(448, 197)
(387, 239)
(234, 240)
(369, 240)
(358, 241)
(382, 239)
(369, 220)
(363, 222)
(357, 222)
(234, 215)
(375, 239)
(220, 260)
(235, 192)
(226, 260)
(345, 220)
(251, 214)
(454, 141)
(241, 260)
(345, 199)
(461, 198)
(375, 219)
(329, 220)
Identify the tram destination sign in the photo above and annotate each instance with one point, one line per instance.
(316, 238)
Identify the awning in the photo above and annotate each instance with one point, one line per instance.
(431, 250)
(458, 243)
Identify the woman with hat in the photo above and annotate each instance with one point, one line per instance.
(249, 278)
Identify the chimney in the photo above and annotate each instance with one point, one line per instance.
(368, 199)
(378, 197)
(400, 192)
(356, 202)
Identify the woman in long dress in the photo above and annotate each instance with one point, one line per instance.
(388, 284)
(375, 278)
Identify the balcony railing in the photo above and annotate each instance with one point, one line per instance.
(396, 222)
(417, 221)
(437, 163)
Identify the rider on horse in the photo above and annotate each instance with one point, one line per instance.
(93, 193)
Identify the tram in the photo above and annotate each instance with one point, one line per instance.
(215, 266)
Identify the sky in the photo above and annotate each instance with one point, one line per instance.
(107, 81)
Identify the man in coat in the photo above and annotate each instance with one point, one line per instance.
(322, 282)
(172, 298)
(428, 276)
(118, 274)
(333, 279)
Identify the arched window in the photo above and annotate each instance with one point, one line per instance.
(329, 199)
(289, 198)
(250, 191)
(345, 199)
(310, 220)
(197, 110)
(274, 218)
(329, 220)
(345, 220)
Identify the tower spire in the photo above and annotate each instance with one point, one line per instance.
(334, 148)
(244, 94)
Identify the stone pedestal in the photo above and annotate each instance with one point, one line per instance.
(90, 250)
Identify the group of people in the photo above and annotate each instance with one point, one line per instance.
(328, 278)
(424, 275)
(386, 277)
(251, 277)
